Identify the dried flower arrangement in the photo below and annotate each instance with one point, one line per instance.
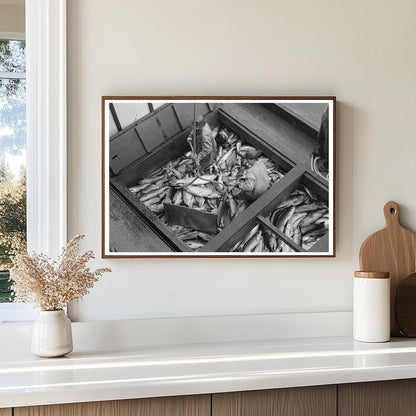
(53, 285)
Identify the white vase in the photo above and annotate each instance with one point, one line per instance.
(52, 334)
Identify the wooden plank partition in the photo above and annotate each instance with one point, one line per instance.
(192, 218)
(282, 236)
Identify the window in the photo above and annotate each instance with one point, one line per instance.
(12, 155)
(46, 135)
(12, 166)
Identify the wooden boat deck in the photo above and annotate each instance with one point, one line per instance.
(128, 231)
(274, 130)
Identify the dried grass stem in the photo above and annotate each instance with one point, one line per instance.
(53, 285)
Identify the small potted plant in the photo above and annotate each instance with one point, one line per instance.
(52, 286)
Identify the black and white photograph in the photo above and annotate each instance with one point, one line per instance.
(218, 176)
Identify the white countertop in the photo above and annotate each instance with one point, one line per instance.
(150, 371)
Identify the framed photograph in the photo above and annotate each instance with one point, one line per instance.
(218, 176)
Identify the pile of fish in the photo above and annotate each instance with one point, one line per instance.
(194, 239)
(302, 217)
(178, 182)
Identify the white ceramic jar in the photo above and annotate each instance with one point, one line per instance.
(371, 309)
(52, 334)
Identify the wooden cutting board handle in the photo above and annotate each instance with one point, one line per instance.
(393, 250)
(391, 214)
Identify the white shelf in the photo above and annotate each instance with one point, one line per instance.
(150, 371)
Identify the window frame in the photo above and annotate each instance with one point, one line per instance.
(46, 125)
(46, 136)
(14, 312)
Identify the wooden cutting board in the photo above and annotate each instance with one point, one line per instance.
(405, 306)
(393, 250)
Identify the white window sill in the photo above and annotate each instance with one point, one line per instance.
(16, 313)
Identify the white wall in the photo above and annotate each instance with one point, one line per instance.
(361, 51)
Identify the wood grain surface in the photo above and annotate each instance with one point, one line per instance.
(128, 232)
(307, 113)
(301, 401)
(5, 412)
(372, 275)
(279, 133)
(161, 406)
(405, 306)
(190, 217)
(150, 218)
(392, 250)
(382, 398)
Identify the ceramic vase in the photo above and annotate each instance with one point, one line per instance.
(52, 334)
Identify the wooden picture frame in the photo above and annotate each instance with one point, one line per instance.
(158, 150)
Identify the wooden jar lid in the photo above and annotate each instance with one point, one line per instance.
(372, 275)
